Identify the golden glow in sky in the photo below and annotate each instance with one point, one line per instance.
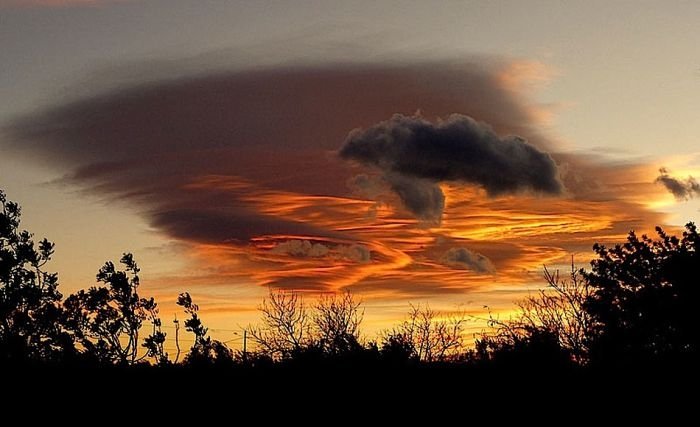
(224, 165)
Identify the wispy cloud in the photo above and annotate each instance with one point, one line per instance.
(682, 189)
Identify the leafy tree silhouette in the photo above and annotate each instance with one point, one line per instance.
(106, 320)
(644, 299)
(30, 311)
(204, 351)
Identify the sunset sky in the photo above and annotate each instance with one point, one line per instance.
(425, 152)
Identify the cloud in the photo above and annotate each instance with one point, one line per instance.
(456, 149)
(464, 259)
(232, 225)
(307, 248)
(356, 253)
(302, 248)
(681, 189)
(371, 187)
(422, 197)
(415, 155)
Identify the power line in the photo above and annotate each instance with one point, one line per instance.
(210, 329)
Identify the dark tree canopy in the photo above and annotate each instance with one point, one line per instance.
(30, 312)
(644, 299)
(106, 320)
(205, 351)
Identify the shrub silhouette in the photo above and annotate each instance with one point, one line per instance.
(539, 348)
(398, 349)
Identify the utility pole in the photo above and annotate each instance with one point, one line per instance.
(177, 337)
(245, 342)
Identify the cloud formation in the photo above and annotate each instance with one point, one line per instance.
(233, 164)
(422, 197)
(463, 258)
(416, 154)
(307, 248)
(302, 248)
(456, 149)
(682, 189)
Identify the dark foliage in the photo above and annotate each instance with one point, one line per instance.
(398, 349)
(537, 348)
(204, 351)
(644, 300)
(30, 310)
(106, 321)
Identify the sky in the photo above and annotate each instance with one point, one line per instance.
(409, 152)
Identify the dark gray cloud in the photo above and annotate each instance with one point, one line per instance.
(682, 189)
(367, 186)
(464, 259)
(422, 197)
(456, 149)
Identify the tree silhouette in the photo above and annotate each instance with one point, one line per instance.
(286, 325)
(636, 306)
(328, 332)
(644, 299)
(30, 311)
(551, 325)
(336, 324)
(430, 335)
(204, 351)
(106, 320)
